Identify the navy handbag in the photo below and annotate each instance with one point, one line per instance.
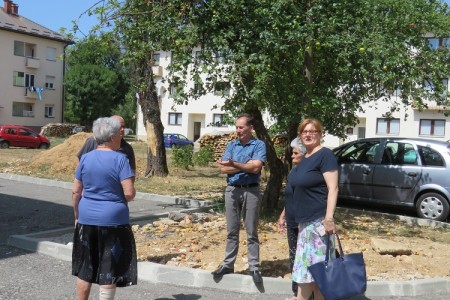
(340, 277)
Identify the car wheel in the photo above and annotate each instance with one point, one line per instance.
(43, 146)
(4, 144)
(432, 206)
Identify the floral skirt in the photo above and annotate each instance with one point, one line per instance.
(105, 255)
(311, 249)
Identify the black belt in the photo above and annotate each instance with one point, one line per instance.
(244, 185)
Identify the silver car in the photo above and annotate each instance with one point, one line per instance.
(397, 171)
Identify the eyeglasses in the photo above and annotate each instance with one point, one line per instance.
(305, 132)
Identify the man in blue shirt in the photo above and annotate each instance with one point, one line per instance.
(242, 162)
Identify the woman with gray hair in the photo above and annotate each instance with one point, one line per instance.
(104, 249)
(287, 223)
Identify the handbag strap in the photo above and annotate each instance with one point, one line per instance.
(341, 252)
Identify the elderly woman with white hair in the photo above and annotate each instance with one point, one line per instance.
(104, 249)
(287, 222)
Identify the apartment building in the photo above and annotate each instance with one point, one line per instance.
(203, 116)
(31, 70)
(198, 117)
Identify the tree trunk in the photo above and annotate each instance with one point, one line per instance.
(276, 167)
(148, 100)
(291, 134)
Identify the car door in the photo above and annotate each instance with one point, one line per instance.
(27, 138)
(398, 173)
(183, 140)
(11, 135)
(356, 165)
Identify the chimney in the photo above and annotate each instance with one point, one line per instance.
(15, 9)
(7, 6)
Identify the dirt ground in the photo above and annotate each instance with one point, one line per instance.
(200, 244)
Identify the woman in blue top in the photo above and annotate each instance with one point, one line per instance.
(313, 190)
(104, 250)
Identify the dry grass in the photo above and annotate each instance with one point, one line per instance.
(59, 162)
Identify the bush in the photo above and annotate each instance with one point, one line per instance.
(204, 156)
(182, 157)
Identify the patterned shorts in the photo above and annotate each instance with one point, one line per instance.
(311, 248)
(105, 255)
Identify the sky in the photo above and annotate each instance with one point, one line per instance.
(55, 14)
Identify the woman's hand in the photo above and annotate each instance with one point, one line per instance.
(281, 225)
(282, 221)
(330, 227)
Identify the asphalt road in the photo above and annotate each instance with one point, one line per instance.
(26, 208)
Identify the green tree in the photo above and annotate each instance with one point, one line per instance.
(127, 109)
(96, 81)
(318, 58)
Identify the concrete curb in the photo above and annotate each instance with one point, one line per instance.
(157, 273)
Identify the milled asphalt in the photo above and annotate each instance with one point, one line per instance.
(34, 211)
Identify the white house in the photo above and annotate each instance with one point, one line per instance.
(204, 115)
(31, 77)
(193, 120)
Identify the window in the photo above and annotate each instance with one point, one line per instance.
(21, 109)
(24, 49)
(19, 79)
(428, 86)
(397, 153)
(51, 53)
(49, 82)
(432, 127)
(430, 157)
(221, 56)
(175, 118)
(198, 88)
(359, 153)
(49, 111)
(349, 130)
(23, 79)
(173, 88)
(218, 120)
(388, 126)
(156, 59)
(438, 43)
(222, 88)
(26, 132)
(29, 80)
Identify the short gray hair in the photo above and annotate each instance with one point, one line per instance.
(298, 144)
(104, 129)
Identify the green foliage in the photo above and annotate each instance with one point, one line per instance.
(182, 157)
(90, 92)
(127, 109)
(203, 156)
(96, 81)
(351, 52)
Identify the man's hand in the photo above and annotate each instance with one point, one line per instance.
(226, 163)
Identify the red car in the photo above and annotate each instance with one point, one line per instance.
(20, 136)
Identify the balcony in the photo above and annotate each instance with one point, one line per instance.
(157, 71)
(32, 63)
(30, 94)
